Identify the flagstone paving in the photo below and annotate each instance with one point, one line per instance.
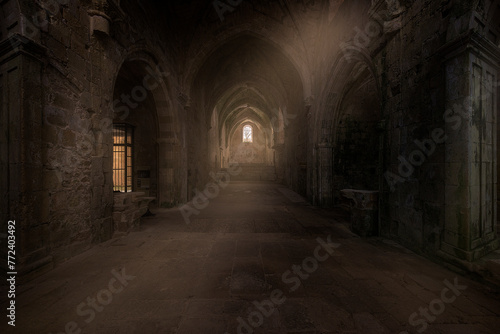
(257, 259)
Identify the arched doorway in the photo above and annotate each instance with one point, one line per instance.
(356, 135)
(349, 152)
(135, 132)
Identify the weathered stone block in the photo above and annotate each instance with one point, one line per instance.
(68, 138)
(364, 222)
(57, 49)
(55, 116)
(60, 33)
(76, 61)
(364, 211)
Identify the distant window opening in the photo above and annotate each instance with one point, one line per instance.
(247, 134)
(123, 137)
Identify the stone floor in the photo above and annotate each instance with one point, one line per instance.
(209, 276)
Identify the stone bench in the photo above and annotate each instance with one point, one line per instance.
(364, 211)
(128, 209)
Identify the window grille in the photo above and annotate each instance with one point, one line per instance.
(123, 137)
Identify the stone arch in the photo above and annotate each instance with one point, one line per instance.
(246, 70)
(343, 68)
(255, 123)
(168, 127)
(239, 114)
(356, 136)
(257, 152)
(335, 121)
(273, 97)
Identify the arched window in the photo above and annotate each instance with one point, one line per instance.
(247, 134)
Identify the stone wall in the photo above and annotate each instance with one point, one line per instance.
(76, 104)
(356, 155)
(255, 152)
(429, 193)
(427, 189)
(62, 194)
(296, 139)
(198, 165)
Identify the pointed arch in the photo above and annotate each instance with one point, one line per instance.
(155, 77)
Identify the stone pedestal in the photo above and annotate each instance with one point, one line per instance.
(168, 164)
(128, 209)
(364, 211)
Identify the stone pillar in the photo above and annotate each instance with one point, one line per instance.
(23, 184)
(325, 173)
(171, 159)
(469, 230)
(310, 162)
(166, 177)
(279, 163)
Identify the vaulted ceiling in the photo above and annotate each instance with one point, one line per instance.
(247, 73)
(247, 79)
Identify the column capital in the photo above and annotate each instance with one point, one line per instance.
(473, 43)
(17, 44)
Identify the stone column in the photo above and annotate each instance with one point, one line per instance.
(325, 173)
(166, 177)
(279, 151)
(171, 179)
(469, 230)
(310, 155)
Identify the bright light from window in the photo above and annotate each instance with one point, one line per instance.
(247, 134)
(122, 157)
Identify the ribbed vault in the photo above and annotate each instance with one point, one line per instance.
(247, 80)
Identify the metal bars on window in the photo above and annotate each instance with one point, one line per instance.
(123, 136)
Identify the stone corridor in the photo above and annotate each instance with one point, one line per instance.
(111, 108)
(206, 276)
